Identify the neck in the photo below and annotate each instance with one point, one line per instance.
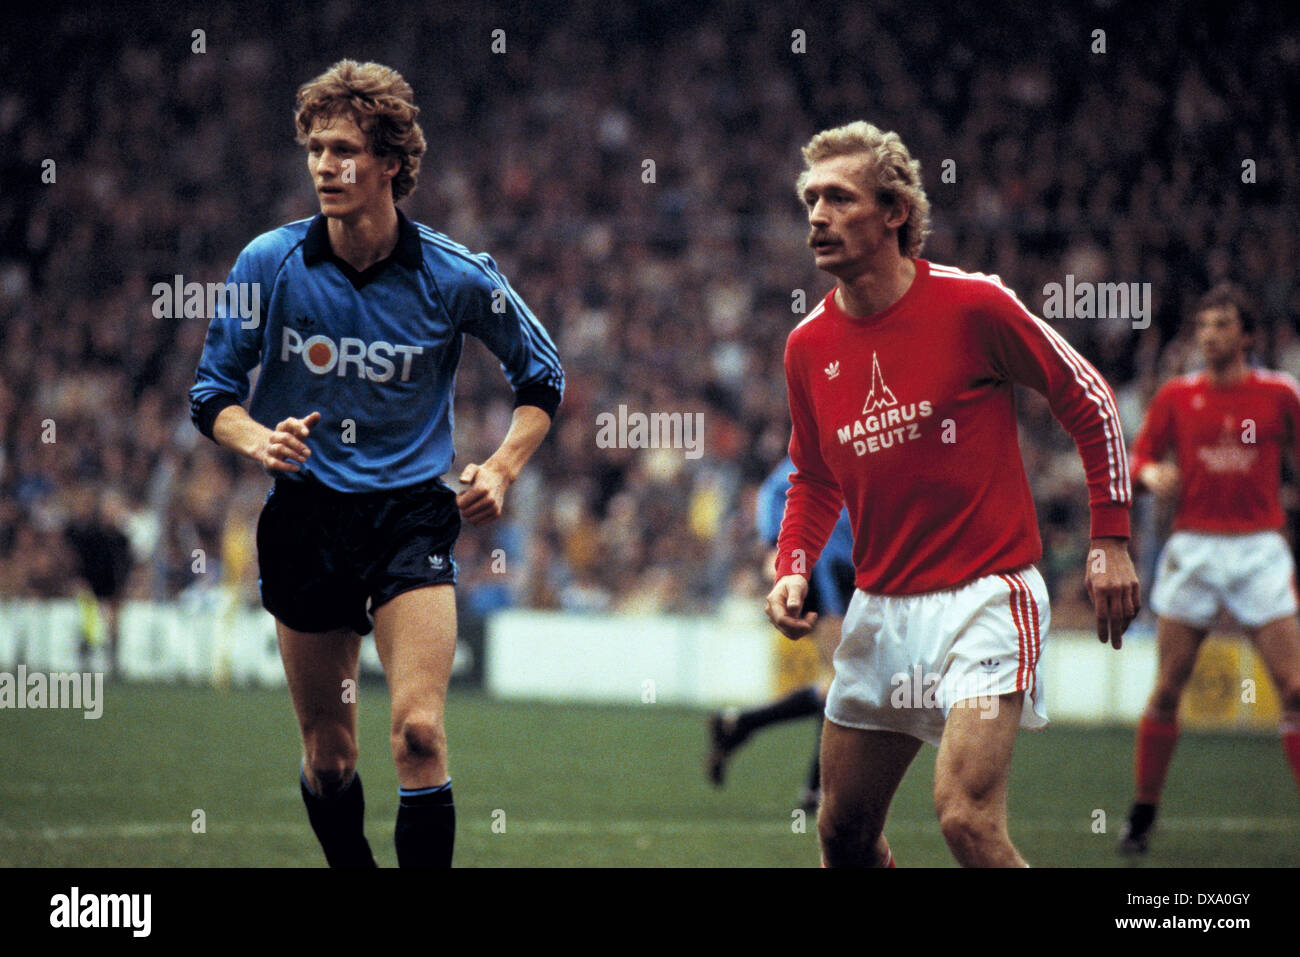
(1230, 372)
(875, 290)
(365, 237)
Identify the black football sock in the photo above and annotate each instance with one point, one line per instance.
(798, 704)
(426, 827)
(1141, 817)
(338, 820)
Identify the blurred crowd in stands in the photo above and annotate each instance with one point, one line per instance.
(668, 285)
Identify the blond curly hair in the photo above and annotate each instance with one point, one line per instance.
(896, 175)
(379, 101)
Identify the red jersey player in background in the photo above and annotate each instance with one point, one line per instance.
(948, 610)
(1226, 427)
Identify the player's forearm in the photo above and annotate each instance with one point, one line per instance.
(810, 518)
(235, 429)
(528, 427)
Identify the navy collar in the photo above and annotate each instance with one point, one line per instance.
(408, 252)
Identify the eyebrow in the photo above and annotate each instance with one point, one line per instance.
(825, 188)
(330, 135)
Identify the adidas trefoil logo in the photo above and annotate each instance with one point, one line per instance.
(832, 370)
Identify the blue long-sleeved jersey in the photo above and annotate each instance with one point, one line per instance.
(770, 508)
(374, 352)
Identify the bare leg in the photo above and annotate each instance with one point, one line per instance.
(1278, 643)
(970, 782)
(860, 772)
(415, 634)
(317, 665)
(1177, 645)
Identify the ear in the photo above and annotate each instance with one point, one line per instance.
(898, 213)
(392, 166)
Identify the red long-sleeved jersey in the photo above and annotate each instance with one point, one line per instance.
(1227, 442)
(908, 416)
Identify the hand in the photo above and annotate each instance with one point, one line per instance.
(784, 603)
(286, 445)
(1161, 478)
(1112, 585)
(485, 494)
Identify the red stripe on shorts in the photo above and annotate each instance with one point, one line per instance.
(1020, 629)
(1036, 642)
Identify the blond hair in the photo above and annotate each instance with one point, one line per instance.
(379, 101)
(893, 174)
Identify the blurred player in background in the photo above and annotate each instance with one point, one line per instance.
(944, 529)
(829, 590)
(104, 564)
(361, 321)
(1226, 428)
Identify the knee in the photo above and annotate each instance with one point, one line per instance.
(1165, 698)
(1163, 706)
(330, 777)
(418, 740)
(331, 759)
(964, 826)
(847, 842)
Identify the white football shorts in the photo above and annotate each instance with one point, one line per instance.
(904, 662)
(1251, 575)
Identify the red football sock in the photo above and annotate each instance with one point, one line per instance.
(1155, 749)
(1291, 746)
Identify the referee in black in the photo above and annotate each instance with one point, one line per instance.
(357, 317)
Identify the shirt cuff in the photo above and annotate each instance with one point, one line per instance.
(545, 397)
(786, 564)
(1110, 521)
(205, 417)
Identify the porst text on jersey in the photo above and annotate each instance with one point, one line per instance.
(371, 361)
(885, 429)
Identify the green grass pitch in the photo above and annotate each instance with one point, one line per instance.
(541, 785)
